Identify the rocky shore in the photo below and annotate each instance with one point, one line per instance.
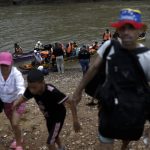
(34, 128)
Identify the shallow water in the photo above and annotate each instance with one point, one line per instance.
(84, 22)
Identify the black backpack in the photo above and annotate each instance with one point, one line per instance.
(92, 88)
(84, 54)
(124, 96)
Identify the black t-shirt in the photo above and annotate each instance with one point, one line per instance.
(84, 54)
(50, 102)
(58, 52)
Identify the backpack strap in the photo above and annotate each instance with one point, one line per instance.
(107, 51)
(116, 46)
(141, 71)
(138, 67)
(140, 50)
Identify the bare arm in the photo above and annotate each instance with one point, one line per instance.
(86, 79)
(73, 109)
(19, 102)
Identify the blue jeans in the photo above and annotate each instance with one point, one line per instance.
(60, 64)
(84, 64)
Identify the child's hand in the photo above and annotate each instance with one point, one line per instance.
(76, 126)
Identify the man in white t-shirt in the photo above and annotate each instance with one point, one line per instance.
(128, 27)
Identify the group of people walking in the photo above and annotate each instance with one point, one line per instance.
(122, 90)
(57, 54)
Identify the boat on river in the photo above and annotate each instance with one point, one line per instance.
(26, 56)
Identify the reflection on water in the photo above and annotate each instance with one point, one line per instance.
(83, 22)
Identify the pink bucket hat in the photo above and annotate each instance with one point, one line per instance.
(6, 58)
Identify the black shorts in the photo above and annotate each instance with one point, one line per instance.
(54, 129)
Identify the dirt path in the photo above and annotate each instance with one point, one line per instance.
(34, 129)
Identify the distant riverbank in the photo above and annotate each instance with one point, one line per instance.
(22, 2)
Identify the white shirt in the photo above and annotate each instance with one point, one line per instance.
(144, 58)
(12, 87)
(38, 45)
(38, 57)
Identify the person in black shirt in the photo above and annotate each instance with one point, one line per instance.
(84, 59)
(51, 103)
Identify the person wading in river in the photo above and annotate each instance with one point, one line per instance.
(128, 27)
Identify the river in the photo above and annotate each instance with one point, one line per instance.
(81, 22)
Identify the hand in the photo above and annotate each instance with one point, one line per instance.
(76, 126)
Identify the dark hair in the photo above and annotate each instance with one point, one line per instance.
(16, 45)
(84, 46)
(35, 76)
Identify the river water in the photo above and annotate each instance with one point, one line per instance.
(83, 22)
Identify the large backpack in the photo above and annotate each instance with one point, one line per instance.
(123, 96)
(92, 88)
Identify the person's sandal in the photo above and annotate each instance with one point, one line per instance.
(13, 144)
(19, 148)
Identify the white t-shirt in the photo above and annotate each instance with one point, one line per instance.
(12, 87)
(38, 57)
(144, 58)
